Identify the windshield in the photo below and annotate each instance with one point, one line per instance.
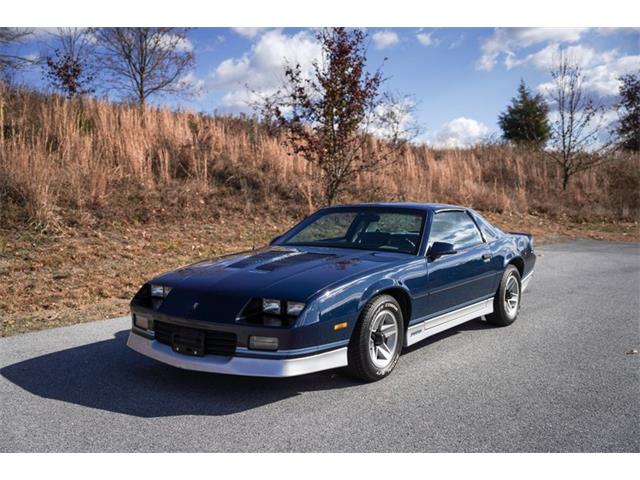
(365, 229)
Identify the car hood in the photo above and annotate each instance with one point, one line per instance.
(226, 284)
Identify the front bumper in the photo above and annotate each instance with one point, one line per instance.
(238, 365)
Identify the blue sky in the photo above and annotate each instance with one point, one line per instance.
(460, 78)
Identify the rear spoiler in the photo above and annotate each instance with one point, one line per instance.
(528, 235)
(524, 234)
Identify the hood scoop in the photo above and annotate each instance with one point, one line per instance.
(293, 260)
(258, 258)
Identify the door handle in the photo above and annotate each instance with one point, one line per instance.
(486, 257)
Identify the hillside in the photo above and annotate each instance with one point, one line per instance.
(94, 198)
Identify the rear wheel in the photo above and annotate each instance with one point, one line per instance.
(506, 303)
(377, 340)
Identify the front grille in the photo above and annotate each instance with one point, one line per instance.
(215, 343)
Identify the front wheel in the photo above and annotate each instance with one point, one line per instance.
(506, 303)
(377, 340)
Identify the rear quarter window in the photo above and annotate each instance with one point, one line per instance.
(454, 227)
(489, 231)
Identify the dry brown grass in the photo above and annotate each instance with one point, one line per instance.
(94, 200)
(70, 163)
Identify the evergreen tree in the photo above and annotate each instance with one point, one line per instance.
(525, 121)
(628, 128)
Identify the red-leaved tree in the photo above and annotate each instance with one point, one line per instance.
(336, 116)
(70, 69)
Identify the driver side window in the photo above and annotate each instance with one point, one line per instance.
(456, 228)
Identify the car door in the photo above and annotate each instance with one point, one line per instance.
(465, 277)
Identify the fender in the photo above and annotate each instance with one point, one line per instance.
(379, 286)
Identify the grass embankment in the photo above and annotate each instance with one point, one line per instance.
(94, 200)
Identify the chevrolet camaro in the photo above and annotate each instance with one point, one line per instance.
(349, 286)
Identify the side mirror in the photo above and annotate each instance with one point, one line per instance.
(438, 249)
(275, 239)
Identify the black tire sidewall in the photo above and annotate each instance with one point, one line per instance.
(501, 315)
(360, 362)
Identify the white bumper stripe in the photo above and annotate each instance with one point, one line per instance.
(525, 281)
(257, 367)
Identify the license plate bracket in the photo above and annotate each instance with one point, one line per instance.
(188, 342)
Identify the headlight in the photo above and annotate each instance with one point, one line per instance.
(159, 291)
(294, 308)
(271, 306)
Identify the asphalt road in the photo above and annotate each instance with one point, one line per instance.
(559, 379)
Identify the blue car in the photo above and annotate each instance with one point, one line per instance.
(349, 286)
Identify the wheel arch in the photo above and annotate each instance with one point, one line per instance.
(399, 293)
(517, 262)
(404, 299)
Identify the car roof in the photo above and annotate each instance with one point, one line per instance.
(431, 207)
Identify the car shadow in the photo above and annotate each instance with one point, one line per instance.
(109, 376)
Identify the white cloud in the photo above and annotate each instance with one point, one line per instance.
(547, 57)
(460, 132)
(260, 71)
(231, 70)
(249, 32)
(604, 79)
(616, 30)
(505, 41)
(385, 38)
(601, 70)
(425, 38)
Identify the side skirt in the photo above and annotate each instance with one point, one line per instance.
(422, 330)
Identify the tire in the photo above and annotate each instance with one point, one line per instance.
(506, 303)
(379, 333)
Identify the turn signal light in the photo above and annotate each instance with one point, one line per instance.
(340, 326)
(263, 343)
(142, 321)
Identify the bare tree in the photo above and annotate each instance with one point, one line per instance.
(9, 37)
(142, 62)
(575, 132)
(332, 117)
(70, 67)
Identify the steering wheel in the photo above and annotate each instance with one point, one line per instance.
(408, 242)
